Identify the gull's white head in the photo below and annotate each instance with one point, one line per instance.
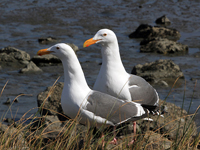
(58, 50)
(103, 36)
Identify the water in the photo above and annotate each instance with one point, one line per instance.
(73, 21)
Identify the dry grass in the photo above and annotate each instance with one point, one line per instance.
(35, 135)
(20, 135)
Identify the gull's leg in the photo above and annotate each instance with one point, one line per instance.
(114, 141)
(134, 133)
(103, 142)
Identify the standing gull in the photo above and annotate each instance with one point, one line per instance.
(113, 78)
(92, 106)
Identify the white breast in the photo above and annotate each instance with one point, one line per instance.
(116, 85)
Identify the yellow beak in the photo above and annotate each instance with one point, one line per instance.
(43, 52)
(89, 42)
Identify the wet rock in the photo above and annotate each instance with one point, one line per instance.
(30, 68)
(49, 136)
(16, 137)
(157, 70)
(13, 56)
(163, 20)
(173, 125)
(156, 141)
(16, 100)
(7, 102)
(9, 121)
(73, 46)
(163, 109)
(162, 83)
(53, 129)
(51, 105)
(53, 40)
(15, 122)
(162, 46)
(148, 31)
(53, 122)
(50, 122)
(3, 127)
(47, 40)
(46, 60)
(50, 60)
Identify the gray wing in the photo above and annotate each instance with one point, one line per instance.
(112, 109)
(144, 93)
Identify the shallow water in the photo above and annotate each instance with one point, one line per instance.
(73, 21)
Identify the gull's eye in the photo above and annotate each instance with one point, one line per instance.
(57, 47)
(104, 34)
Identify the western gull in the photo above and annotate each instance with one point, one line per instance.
(93, 106)
(113, 78)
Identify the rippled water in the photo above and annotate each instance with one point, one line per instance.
(23, 22)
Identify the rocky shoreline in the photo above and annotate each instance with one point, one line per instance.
(154, 72)
(170, 128)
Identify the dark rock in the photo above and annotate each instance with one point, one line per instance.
(53, 128)
(16, 100)
(164, 109)
(73, 46)
(30, 68)
(53, 40)
(9, 121)
(157, 70)
(162, 83)
(163, 20)
(46, 60)
(3, 127)
(15, 137)
(58, 132)
(156, 141)
(51, 122)
(49, 128)
(148, 31)
(47, 40)
(7, 102)
(51, 105)
(14, 56)
(50, 60)
(174, 123)
(162, 46)
(15, 122)
(143, 31)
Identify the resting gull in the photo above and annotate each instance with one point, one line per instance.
(113, 78)
(93, 106)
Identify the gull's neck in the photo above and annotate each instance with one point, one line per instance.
(73, 73)
(111, 56)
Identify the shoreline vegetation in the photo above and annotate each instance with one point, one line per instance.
(176, 130)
